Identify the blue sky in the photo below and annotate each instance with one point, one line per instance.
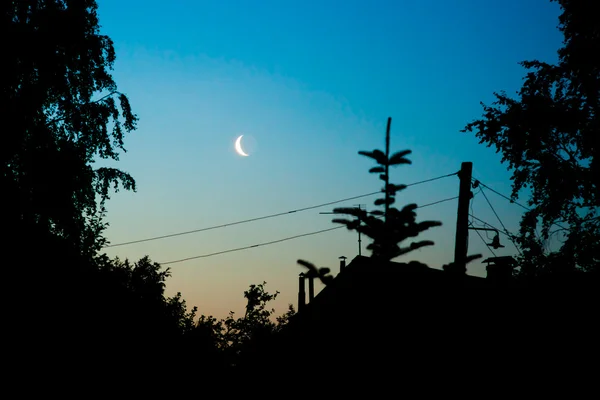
(312, 83)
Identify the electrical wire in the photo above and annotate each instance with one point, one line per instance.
(491, 226)
(438, 202)
(544, 243)
(269, 216)
(483, 225)
(240, 222)
(537, 234)
(484, 242)
(501, 195)
(472, 200)
(279, 240)
(499, 220)
(252, 246)
(513, 201)
(471, 222)
(432, 179)
(493, 210)
(423, 206)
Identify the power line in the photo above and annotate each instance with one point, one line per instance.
(499, 220)
(377, 215)
(471, 204)
(491, 226)
(432, 179)
(437, 202)
(486, 243)
(471, 222)
(501, 195)
(537, 234)
(493, 210)
(279, 240)
(253, 246)
(513, 201)
(268, 216)
(240, 222)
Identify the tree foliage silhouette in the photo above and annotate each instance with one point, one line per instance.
(65, 112)
(313, 272)
(548, 136)
(136, 297)
(389, 227)
(240, 340)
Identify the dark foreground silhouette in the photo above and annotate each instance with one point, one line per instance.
(410, 323)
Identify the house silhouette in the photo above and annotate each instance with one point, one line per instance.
(417, 322)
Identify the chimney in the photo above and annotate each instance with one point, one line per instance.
(301, 292)
(342, 263)
(311, 287)
(499, 269)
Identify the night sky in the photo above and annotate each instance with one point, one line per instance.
(309, 84)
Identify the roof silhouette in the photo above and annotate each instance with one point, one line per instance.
(409, 317)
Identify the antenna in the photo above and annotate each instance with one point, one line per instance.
(359, 239)
(359, 206)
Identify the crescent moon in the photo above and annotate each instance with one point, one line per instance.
(238, 146)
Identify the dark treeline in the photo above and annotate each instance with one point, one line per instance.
(70, 307)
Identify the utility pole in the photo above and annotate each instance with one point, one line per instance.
(461, 243)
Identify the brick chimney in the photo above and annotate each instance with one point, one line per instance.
(342, 263)
(311, 287)
(499, 269)
(301, 292)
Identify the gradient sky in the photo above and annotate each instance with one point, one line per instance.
(312, 82)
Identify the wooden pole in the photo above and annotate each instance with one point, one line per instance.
(461, 242)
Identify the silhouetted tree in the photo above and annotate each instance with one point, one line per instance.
(241, 340)
(116, 316)
(548, 135)
(388, 227)
(63, 112)
(138, 292)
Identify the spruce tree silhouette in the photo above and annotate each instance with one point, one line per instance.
(314, 272)
(388, 227)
